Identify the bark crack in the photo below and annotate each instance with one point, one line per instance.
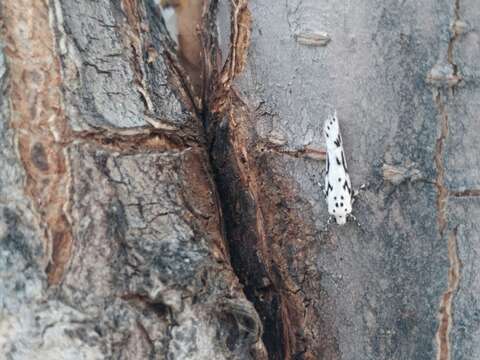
(453, 40)
(303, 152)
(442, 191)
(445, 309)
(446, 303)
(146, 139)
(465, 193)
(442, 336)
(447, 73)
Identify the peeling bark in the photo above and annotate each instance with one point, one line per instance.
(39, 120)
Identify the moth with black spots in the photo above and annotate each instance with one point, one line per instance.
(338, 188)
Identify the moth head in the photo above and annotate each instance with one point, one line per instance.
(340, 207)
(341, 219)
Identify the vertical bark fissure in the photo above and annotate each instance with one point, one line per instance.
(445, 307)
(445, 317)
(248, 213)
(446, 303)
(454, 37)
(442, 192)
(216, 100)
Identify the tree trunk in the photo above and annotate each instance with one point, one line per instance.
(160, 163)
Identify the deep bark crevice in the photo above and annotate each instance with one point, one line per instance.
(267, 239)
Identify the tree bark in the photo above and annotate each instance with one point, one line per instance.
(159, 192)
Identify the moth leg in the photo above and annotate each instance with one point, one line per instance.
(354, 218)
(322, 188)
(329, 221)
(359, 191)
(319, 183)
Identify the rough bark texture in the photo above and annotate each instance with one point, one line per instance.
(111, 236)
(159, 197)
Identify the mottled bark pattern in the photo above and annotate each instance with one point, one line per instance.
(111, 236)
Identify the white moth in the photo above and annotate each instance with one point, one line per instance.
(338, 189)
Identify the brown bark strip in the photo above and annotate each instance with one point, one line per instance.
(445, 317)
(442, 191)
(305, 152)
(465, 193)
(446, 304)
(240, 41)
(37, 116)
(237, 57)
(144, 139)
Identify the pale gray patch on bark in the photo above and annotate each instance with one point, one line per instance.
(102, 88)
(387, 283)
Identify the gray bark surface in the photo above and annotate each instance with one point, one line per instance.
(162, 202)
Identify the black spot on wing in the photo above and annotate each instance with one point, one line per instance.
(346, 187)
(338, 142)
(338, 161)
(344, 163)
(329, 188)
(328, 165)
